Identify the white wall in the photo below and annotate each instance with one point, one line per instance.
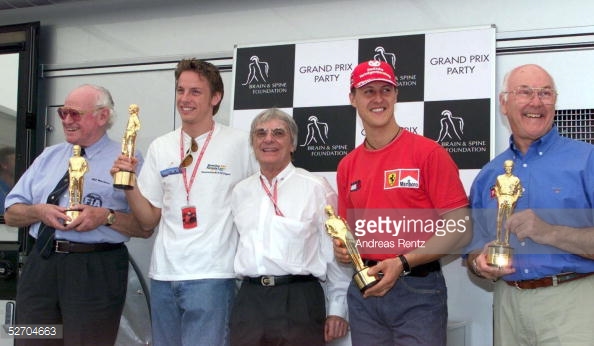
(107, 30)
(113, 31)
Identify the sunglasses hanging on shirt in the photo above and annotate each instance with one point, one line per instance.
(189, 158)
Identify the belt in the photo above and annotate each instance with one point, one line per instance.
(418, 271)
(548, 281)
(271, 280)
(65, 246)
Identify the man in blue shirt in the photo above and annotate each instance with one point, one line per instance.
(81, 283)
(545, 295)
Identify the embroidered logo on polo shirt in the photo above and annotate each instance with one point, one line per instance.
(216, 169)
(93, 199)
(402, 178)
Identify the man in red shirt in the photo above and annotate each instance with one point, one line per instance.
(393, 177)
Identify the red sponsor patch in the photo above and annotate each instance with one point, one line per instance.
(402, 178)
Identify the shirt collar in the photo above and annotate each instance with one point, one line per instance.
(540, 146)
(96, 147)
(281, 176)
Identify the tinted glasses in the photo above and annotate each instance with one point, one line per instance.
(75, 114)
(277, 133)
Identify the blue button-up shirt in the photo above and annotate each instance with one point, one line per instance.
(557, 176)
(40, 179)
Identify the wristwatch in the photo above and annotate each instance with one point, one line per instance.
(111, 217)
(405, 266)
(474, 268)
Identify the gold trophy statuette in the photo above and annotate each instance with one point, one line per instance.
(77, 167)
(337, 228)
(507, 190)
(123, 179)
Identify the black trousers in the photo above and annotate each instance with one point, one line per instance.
(84, 292)
(290, 314)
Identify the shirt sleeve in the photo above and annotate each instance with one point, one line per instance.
(338, 276)
(481, 215)
(23, 191)
(149, 179)
(444, 186)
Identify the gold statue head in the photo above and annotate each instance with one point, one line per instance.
(335, 226)
(508, 165)
(329, 211)
(76, 150)
(133, 109)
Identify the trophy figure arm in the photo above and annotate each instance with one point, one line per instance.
(129, 146)
(71, 195)
(79, 192)
(74, 191)
(499, 222)
(518, 191)
(508, 211)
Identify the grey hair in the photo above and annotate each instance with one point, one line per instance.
(275, 113)
(104, 100)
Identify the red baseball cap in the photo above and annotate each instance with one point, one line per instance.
(371, 71)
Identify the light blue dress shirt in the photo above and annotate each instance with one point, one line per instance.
(40, 179)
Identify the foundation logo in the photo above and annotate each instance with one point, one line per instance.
(402, 54)
(258, 71)
(264, 76)
(451, 127)
(462, 128)
(402, 178)
(326, 135)
(317, 132)
(382, 55)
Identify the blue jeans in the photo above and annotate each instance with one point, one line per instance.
(193, 312)
(413, 312)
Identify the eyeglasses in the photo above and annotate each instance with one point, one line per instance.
(188, 159)
(277, 133)
(75, 114)
(525, 94)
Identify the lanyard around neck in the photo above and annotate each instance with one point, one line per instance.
(188, 185)
(272, 196)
